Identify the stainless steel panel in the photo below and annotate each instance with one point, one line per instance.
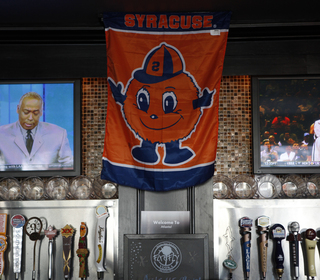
(204, 216)
(128, 222)
(176, 200)
(58, 214)
(226, 213)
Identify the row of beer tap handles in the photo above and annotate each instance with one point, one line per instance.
(33, 227)
(277, 233)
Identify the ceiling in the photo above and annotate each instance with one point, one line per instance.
(63, 38)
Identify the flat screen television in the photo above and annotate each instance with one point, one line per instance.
(40, 132)
(286, 120)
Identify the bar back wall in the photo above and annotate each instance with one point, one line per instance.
(234, 154)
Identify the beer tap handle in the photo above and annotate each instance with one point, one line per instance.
(294, 237)
(229, 263)
(3, 240)
(33, 227)
(50, 252)
(67, 233)
(263, 223)
(311, 242)
(100, 239)
(278, 233)
(83, 251)
(246, 225)
(17, 223)
(51, 233)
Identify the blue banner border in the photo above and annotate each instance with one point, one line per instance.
(149, 180)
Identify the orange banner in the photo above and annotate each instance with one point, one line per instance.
(164, 73)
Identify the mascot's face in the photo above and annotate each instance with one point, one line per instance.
(162, 112)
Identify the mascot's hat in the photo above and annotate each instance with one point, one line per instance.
(161, 64)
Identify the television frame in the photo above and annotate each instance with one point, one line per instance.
(258, 168)
(76, 171)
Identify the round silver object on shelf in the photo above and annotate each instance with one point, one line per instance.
(81, 187)
(57, 187)
(244, 186)
(222, 186)
(312, 186)
(10, 189)
(33, 188)
(269, 186)
(104, 188)
(293, 186)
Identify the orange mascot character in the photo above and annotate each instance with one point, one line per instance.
(162, 105)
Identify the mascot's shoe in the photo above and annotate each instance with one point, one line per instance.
(177, 155)
(146, 153)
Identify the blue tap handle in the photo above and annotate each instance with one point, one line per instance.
(279, 256)
(278, 233)
(245, 225)
(246, 254)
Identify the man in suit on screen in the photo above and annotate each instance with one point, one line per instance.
(29, 142)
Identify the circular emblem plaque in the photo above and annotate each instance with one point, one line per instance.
(166, 257)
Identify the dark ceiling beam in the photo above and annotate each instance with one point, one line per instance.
(260, 49)
(95, 35)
